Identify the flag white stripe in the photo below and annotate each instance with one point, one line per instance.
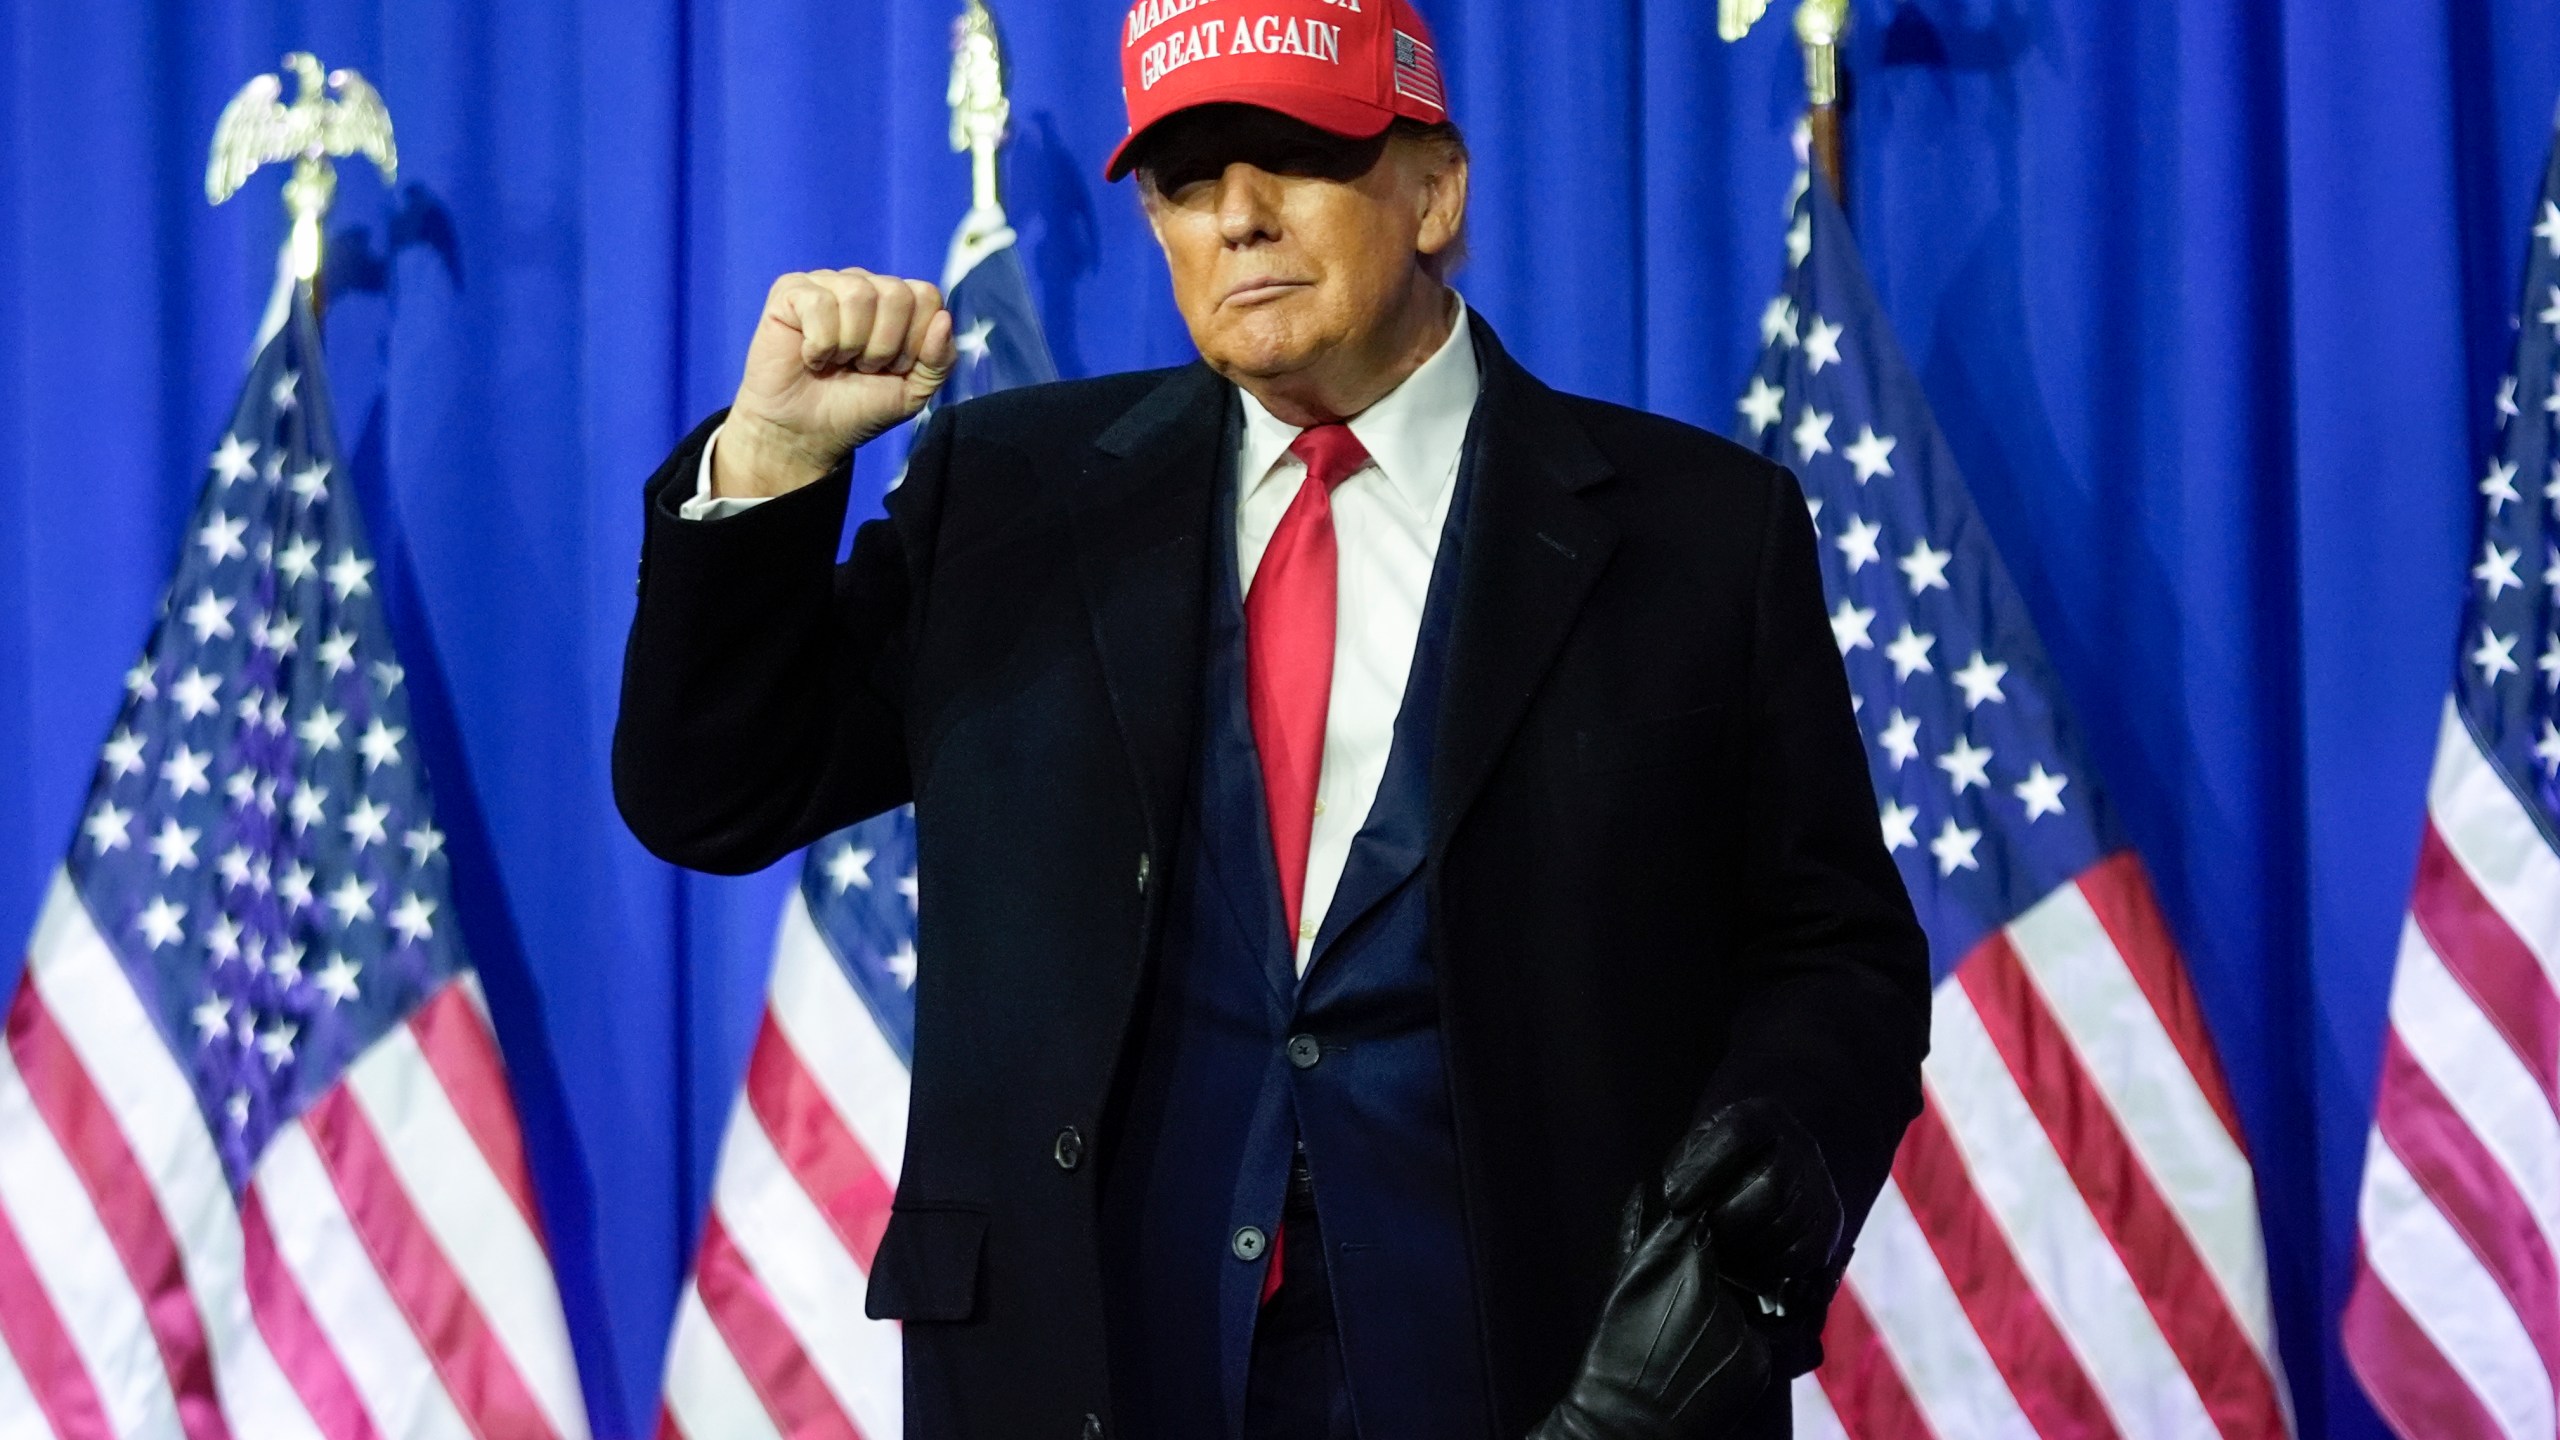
(348, 1301)
(1925, 1331)
(838, 1040)
(2072, 1266)
(1814, 1419)
(2158, 1107)
(2472, 1063)
(76, 1264)
(710, 1397)
(92, 1003)
(815, 1284)
(2440, 1282)
(19, 1417)
(2498, 844)
(474, 1220)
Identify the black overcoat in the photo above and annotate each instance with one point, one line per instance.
(1656, 876)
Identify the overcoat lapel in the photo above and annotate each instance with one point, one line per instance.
(1141, 517)
(1533, 548)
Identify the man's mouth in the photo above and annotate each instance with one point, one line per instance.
(1254, 292)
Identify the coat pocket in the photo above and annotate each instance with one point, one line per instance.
(1682, 739)
(927, 1265)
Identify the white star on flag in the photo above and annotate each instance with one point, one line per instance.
(1901, 738)
(2042, 792)
(1871, 453)
(307, 807)
(1762, 404)
(364, 823)
(353, 900)
(1954, 848)
(380, 744)
(1898, 822)
(423, 844)
(1849, 627)
(902, 965)
(971, 344)
(210, 616)
(1926, 568)
(2496, 656)
(175, 846)
(1778, 321)
(319, 729)
(311, 482)
(108, 828)
(1980, 679)
(294, 561)
(235, 461)
(414, 918)
(1812, 433)
(1822, 345)
(2500, 486)
(184, 772)
(2547, 749)
(220, 538)
(1909, 653)
(282, 395)
(2497, 570)
(123, 753)
(1967, 765)
(1858, 543)
(193, 693)
(337, 654)
(347, 575)
(848, 867)
(2548, 229)
(337, 979)
(158, 922)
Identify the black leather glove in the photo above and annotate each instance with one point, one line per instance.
(1758, 1180)
(1672, 1358)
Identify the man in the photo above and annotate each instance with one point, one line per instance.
(1406, 949)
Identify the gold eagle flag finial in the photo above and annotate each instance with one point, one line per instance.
(1734, 18)
(979, 110)
(1819, 26)
(334, 113)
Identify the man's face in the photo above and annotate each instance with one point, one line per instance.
(1286, 244)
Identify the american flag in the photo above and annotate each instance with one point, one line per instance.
(2453, 1324)
(770, 1338)
(259, 1172)
(2069, 1242)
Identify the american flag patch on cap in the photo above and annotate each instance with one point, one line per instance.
(1418, 72)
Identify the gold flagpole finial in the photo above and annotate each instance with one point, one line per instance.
(1820, 25)
(979, 109)
(258, 129)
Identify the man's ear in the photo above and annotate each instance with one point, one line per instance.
(1444, 202)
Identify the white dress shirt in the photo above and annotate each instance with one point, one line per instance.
(1387, 519)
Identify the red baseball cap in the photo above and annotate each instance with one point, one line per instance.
(1345, 66)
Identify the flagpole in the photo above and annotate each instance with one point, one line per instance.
(1819, 27)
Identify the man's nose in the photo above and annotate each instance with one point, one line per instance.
(1246, 212)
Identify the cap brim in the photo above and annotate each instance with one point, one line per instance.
(1327, 110)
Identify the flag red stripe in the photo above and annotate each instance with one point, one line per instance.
(1861, 1381)
(2159, 1255)
(762, 1342)
(126, 1206)
(2408, 1379)
(2473, 1192)
(2024, 1344)
(300, 1347)
(824, 1159)
(2120, 894)
(42, 1347)
(477, 1371)
(668, 1429)
(2485, 956)
(465, 1059)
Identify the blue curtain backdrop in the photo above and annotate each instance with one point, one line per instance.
(2211, 297)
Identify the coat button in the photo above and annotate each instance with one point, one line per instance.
(1305, 1051)
(1146, 862)
(1069, 1149)
(1249, 1243)
(1093, 1427)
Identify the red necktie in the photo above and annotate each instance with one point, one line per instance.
(1288, 672)
(1288, 639)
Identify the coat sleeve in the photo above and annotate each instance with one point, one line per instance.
(763, 684)
(1832, 1018)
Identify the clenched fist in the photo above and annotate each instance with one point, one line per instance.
(838, 357)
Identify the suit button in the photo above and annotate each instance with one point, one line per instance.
(1305, 1051)
(1069, 1149)
(1093, 1427)
(1145, 863)
(1249, 1243)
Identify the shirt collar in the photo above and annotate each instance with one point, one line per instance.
(1414, 432)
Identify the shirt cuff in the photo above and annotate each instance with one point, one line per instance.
(706, 506)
